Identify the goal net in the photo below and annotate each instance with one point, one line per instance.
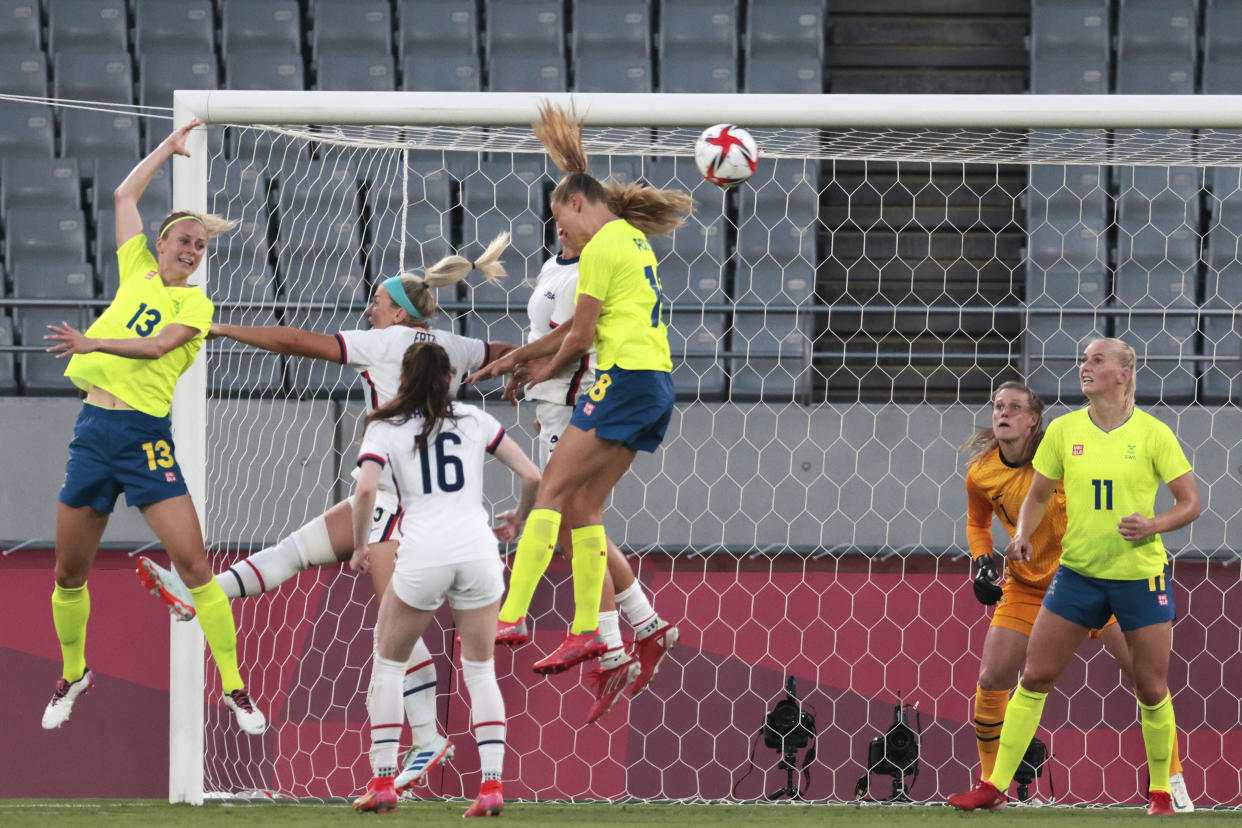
(837, 325)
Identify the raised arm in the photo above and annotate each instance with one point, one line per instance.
(125, 196)
(281, 340)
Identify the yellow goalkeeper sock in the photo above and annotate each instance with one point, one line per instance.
(1175, 758)
(1021, 721)
(215, 616)
(989, 717)
(1159, 733)
(534, 553)
(590, 563)
(70, 610)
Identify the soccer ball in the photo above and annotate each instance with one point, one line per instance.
(726, 155)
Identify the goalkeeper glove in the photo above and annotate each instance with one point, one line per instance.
(986, 577)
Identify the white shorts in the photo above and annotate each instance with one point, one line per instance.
(467, 585)
(553, 420)
(385, 517)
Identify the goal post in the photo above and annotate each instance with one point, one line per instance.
(836, 326)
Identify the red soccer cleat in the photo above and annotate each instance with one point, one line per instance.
(575, 649)
(380, 798)
(1160, 803)
(651, 651)
(609, 684)
(489, 802)
(984, 795)
(512, 634)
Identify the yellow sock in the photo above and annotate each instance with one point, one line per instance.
(590, 564)
(989, 717)
(215, 616)
(1021, 721)
(534, 553)
(70, 610)
(1159, 733)
(1175, 758)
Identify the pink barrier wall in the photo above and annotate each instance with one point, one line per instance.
(852, 632)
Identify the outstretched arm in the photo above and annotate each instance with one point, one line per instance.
(281, 340)
(541, 347)
(69, 341)
(125, 196)
(574, 344)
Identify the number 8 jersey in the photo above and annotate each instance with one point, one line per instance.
(440, 486)
(142, 307)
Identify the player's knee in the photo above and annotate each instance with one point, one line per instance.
(992, 678)
(1151, 690)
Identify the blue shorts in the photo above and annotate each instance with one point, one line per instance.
(631, 407)
(1089, 602)
(114, 450)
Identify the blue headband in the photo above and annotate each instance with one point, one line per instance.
(396, 290)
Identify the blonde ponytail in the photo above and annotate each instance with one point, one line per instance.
(454, 268)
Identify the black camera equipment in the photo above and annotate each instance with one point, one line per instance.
(1031, 768)
(894, 754)
(788, 728)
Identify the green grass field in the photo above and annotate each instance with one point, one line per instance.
(96, 812)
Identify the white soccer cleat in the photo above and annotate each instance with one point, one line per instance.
(420, 761)
(249, 718)
(166, 585)
(1181, 797)
(58, 709)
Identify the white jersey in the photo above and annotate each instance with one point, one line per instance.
(377, 353)
(441, 489)
(551, 304)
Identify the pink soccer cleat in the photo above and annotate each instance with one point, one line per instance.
(609, 684)
(380, 798)
(651, 651)
(984, 795)
(489, 802)
(575, 649)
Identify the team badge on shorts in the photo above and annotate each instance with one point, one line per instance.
(1162, 600)
(170, 477)
(588, 409)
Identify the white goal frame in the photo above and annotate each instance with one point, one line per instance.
(829, 112)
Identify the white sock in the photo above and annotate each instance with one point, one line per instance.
(418, 688)
(610, 630)
(487, 715)
(269, 568)
(384, 705)
(633, 603)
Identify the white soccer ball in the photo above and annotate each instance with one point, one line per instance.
(726, 154)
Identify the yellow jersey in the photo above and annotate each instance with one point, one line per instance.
(1107, 476)
(995, 487)
(618, 268)
(142, 307)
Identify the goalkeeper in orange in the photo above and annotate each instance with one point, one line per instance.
(997, 481)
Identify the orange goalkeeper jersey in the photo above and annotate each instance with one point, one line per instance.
(993, 487)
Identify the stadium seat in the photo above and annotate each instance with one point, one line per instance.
(522, 73)
(1157, 47)
(319, 258)
(47, 183)
(775, 264)
(774, 355)
(1158, 236)
(433, 73)
(237, 370)
(1070, 46)
(692, 263)
(351, 27)
(27, 132)
(1165, 347)
(611, 29)
(1052, 344)
(104, 246)
(19, 26)
(319, 190)
(784, 75)
(706, 29)
(689, 73)
(23, 72)
(612, 74)
(426, 239)
(87, 25)
(90, 134)
(437, 28)
(45, 236)
(696, 340)
(44, 373)
(344, 73)
(316, 376)
(8, 376)
(240, 269)
(93, 76)
(785, 29)
(260, 27)
(108, 173)
(237, 185)
(160, 74)
(264, 71)
(1222, 48)
(42, 280)
(183, 27)
(526, 28)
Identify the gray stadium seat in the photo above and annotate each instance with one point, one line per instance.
(8, 376)
(260, 27)
(1222, 48)
(186, 26)
(447, 28)
(236, 184)
(696, 340)
(1052, 343)
(90, 134)
(23, 72)
(774, 355)
(680, 72)
(44, 373)
(1065, 77)
(49, 183)
(108, 173)
(526, 28)
(785, 28)
(1158, 236)
(240, 268)
(1165, 347)
(105, 238)
(692, 263)
(43, 235)
(526, 254)
(319, 259)
(699, 28)
(351, 27)
(237, 370)
(27, 132)
(264, 71)
(161, 74)
(612, 74)
(316, 376)
(87, 25)
(521, 73)
(775, 265)
(93, 76)
(433, 73)
(19, 26)
(1070, 46)
(786, 75)
(1067, 212)
(611, 29)
(323, 189)
(621, 168)
(1157, 46)
(40, 280)
(364, 73)
(426, 239)
(492, 326)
